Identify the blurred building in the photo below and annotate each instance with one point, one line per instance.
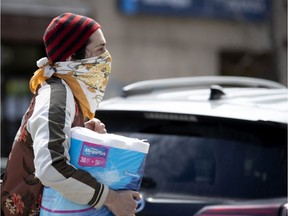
(23, 23)
(165, 38)
(147, 39)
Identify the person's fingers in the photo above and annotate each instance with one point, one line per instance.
(100, 128)
(96, 125)
(136, 195)
(104, 131)
(89, 126)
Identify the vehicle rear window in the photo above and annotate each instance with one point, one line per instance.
(210, 157)
(214, 167)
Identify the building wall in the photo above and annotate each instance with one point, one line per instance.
(149, 47)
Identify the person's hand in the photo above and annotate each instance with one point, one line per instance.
(122, 203)
(96, 125)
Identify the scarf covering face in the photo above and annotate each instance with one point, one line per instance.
(87, 78)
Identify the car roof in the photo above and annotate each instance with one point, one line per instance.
(226, 97)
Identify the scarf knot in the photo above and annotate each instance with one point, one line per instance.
(42, 62)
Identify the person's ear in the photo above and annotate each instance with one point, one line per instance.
(69, 58)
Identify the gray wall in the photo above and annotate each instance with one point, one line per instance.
(148, 47)
(151, 47)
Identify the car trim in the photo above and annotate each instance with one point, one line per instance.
(150, 85)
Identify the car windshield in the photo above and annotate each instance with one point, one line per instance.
(210, 158)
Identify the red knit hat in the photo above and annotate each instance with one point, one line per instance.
(66, 34)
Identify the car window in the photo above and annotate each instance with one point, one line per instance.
(213, 167)
(208, 156)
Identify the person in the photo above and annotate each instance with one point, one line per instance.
(67, 87)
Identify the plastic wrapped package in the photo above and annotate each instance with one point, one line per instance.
(114, 160)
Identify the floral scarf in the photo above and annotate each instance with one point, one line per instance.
(87, 79)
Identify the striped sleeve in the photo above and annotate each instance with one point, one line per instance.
(49, 127)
